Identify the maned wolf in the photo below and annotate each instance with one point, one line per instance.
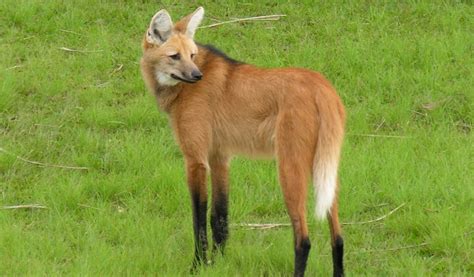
(219, 107)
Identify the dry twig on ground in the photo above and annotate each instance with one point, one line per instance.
(70, 32)
(378, 136)
(42, 164)
(262, 226)
(391, 249)
(265, 226)
(78, 50)
(14, 67)
(28, 207)
(375, 220)
(254, 18)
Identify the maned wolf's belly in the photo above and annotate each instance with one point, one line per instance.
(255, 138)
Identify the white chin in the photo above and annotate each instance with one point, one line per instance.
(165, 79)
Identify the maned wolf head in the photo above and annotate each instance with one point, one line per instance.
(170, 49)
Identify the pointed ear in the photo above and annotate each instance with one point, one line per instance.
(160, 28)
(194, 20)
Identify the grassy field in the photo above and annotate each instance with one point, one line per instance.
(403, 68)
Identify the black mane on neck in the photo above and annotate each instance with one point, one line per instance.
(219, 53)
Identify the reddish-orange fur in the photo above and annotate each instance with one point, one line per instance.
(242, 109)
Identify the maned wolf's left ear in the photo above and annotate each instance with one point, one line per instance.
(160, 28)
(194, 20)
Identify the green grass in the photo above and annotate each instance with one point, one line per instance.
(403, 68)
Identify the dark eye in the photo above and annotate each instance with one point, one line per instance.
(192, 56)
(175, 57)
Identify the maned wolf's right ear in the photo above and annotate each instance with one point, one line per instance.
(160, 28)
(194, 21)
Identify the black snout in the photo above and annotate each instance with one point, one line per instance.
(196, 75)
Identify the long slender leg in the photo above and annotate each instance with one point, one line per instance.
(293, 170)
(294, 190)
(295, 147)
(337, 243)
(219, 224)
(196, 172)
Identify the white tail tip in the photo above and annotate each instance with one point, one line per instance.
(324, 203)
(325, 188)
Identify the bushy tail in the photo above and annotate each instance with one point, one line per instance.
(326, 160)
